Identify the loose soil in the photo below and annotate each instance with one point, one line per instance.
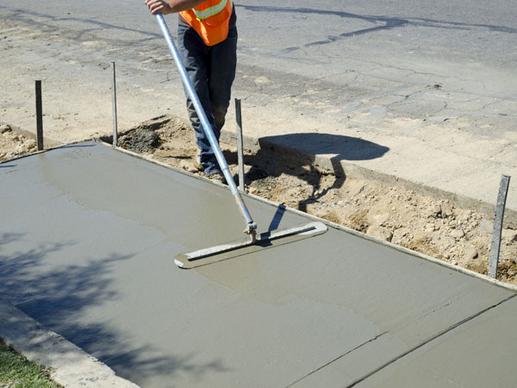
(13, 144)
(433, 226)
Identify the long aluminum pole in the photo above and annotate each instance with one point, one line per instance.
(207, 128)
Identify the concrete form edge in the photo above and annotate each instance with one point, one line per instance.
(345, 229)
(69, 365)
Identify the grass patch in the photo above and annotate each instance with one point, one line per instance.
(17, 371)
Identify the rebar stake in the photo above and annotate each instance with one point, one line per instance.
(114, 106)
(495, 248)
(39, 116)
(240, 144)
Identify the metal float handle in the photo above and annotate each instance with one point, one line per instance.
(207, 128)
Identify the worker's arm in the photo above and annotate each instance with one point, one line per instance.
(171, 6)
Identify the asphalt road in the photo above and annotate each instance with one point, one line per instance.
(369, 50)
(435, 82)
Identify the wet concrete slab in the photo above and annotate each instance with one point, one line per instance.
(87, 242)
(480, 353)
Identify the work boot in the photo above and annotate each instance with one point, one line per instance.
(216, 176)
(197, 163)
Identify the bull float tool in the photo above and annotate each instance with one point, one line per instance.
(254, 240)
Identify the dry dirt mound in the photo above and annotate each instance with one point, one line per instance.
(13, 144)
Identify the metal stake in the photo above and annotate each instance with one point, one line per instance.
(495, 248)
(39, 116)
(114, 107)
(240, 144)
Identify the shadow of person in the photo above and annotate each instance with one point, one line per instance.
(296, 155)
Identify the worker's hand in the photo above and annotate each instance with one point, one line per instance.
(158, 6)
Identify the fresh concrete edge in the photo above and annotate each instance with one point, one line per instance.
(69, 365)
(324, 164)
(52, 148)
(342, 228)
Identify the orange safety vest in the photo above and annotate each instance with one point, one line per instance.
(211, 20)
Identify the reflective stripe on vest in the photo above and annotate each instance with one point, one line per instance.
(211, 11)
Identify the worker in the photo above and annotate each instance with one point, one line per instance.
(207, 40)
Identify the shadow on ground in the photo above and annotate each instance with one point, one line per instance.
(58, 298)
(295, 155)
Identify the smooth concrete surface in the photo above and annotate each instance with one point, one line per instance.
(87, 241)
(480, 353)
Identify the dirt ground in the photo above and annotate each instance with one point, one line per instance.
(12, 144)
(432, 226)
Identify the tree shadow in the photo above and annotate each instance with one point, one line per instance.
(59, 297)
(296, 155)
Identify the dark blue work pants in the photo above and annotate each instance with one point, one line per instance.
(212, 71)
